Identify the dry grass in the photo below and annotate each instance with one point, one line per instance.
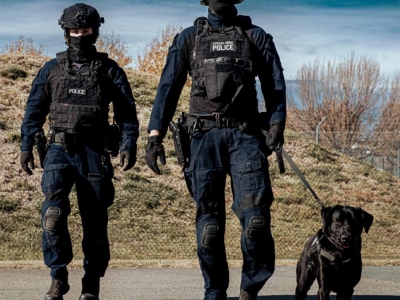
(155, 52)
(153, 216)
(114, 47)
(22, 46)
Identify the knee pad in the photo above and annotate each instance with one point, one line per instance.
(52, 219)
(211, 235)
(256, 229)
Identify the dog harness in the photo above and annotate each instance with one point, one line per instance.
(317, 249)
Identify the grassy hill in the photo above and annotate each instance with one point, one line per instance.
(153, 216)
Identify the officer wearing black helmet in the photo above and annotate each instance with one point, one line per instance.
(223, 54)
(75, 90)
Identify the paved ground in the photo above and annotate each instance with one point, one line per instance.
(377, 283)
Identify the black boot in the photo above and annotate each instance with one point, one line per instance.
(247, 296)
(58, 288)
(90, 288)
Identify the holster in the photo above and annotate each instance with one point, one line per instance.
(181, 140)
(113, 137)
(41, 146)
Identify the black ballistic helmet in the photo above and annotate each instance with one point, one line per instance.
(80, 15)
(206, 2)
(221, 7)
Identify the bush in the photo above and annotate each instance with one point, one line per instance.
(13, 137)
(22, 46)
(156, 51)
(13, 73)
(116, 50)
(7, 205)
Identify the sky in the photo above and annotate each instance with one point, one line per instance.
(303, 30)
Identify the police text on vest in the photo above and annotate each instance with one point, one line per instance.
(77, 91)
(223, 46)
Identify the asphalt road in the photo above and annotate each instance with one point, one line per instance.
(377, 283)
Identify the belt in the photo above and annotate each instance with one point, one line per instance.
(63, 138)
(214, 120)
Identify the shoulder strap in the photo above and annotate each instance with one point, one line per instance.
(200, 22)
(243, 21)
(62, 56)
(101, 56)
(62, 59)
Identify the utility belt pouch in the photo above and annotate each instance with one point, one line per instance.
(113, 138)
(63, 139)
(181, 139)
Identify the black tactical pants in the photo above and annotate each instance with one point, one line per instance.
(214, 154)
(95, 192)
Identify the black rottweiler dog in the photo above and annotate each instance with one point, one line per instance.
(333, 255)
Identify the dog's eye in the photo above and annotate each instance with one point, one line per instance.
(338, 223)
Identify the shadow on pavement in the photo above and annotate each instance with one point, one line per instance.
(311, 297)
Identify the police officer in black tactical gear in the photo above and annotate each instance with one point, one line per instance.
(223, 54)
(75, 90)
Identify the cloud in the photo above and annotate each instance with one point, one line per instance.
(302, 30)
(301, 34)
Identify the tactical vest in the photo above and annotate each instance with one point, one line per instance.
(79, 101)
(221, 68)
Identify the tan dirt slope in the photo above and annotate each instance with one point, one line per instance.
(152, 217)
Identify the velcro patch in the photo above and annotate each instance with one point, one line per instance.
(223, 46)
(77, 91)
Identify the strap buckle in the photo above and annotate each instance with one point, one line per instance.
(219, 122)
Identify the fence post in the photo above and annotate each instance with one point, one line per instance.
(398, 162)
(316, 132)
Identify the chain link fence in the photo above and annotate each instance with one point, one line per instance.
(380, 149)
(155, 220)
(295, 214)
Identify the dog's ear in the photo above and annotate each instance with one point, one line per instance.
(367, 220)
(324, 213)
(325, 216)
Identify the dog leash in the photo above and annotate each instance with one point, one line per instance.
(301, 176)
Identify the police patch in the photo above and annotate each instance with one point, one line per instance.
(223, 46)
(77, 91)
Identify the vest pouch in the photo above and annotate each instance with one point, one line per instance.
(219, 79)
(75, 119)
(239, 75)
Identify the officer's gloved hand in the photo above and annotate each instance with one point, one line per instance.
(275, 138)
(127, 159)
(154, 150)
(26, 158)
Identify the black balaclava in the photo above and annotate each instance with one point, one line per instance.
(224, 8)
(221, 7)
(81, 48)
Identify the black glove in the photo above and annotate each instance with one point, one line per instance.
(154, 150)
(26, 158)
(128, 159)
(275, 138)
